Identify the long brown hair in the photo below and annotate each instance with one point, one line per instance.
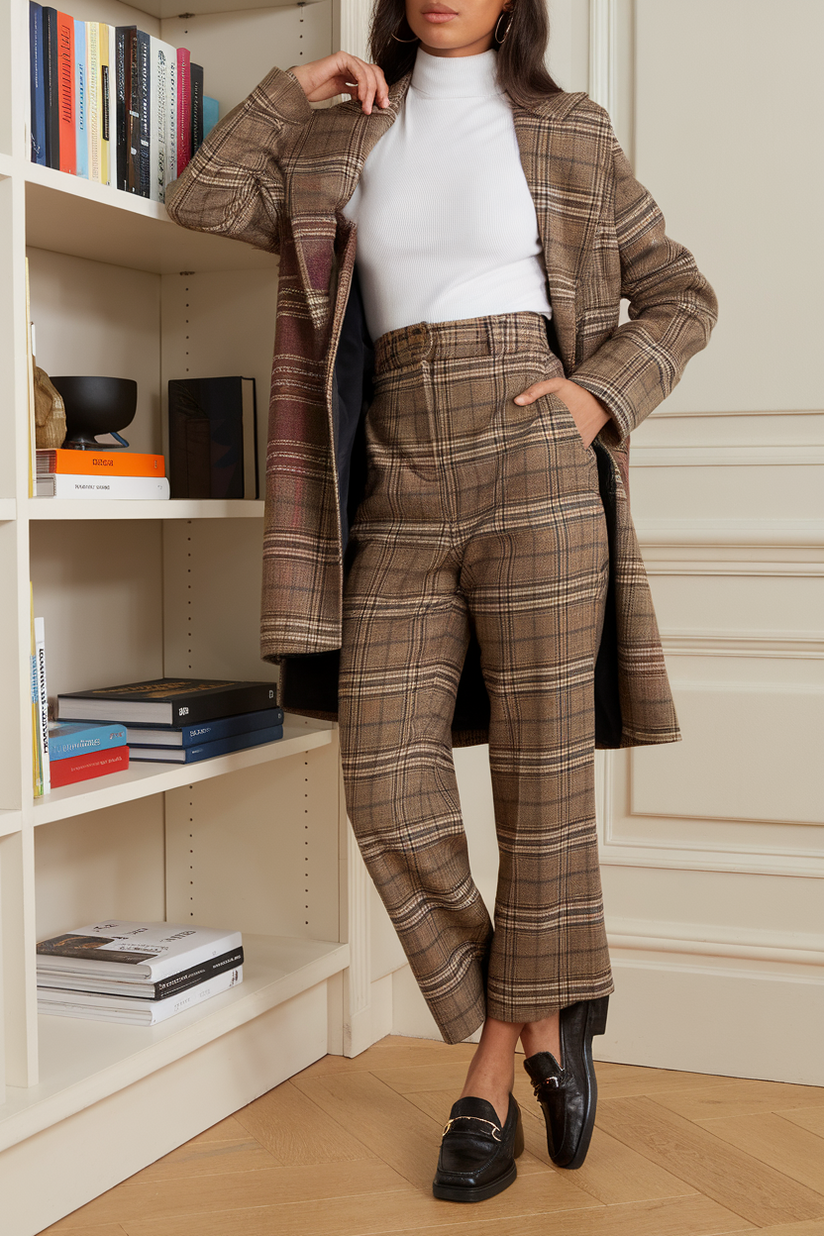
(521, 71)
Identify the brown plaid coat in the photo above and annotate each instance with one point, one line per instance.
(275, 173)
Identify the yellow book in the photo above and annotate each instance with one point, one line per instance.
(37, 762)
(30, 367)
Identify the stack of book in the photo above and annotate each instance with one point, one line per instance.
(113, 104)
(79, 752)
(183, 720)
(100, 474)
(140, 973)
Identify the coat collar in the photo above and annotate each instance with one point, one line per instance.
(561, 187)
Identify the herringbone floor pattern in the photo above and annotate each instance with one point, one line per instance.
(348, 1148)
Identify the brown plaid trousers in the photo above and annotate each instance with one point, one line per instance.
(479, 513)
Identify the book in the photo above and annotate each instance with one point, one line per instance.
(92, 29)
(100, 463)
(125, 152)
(196, 78)
(83, 101)
(105, 94)
(52, 86)
(119, 948)
(71, 485)
(36, 749)
(145, 989)
(65, 88)
(211, 115)
(135, 1011)
(184, 109)
(207, 731)
(163, 112)
(167, 701)
(142, 102)
(213, 438)
(38, 85)
(42, 703)
(85, 767)
(72, 738)
(207, 750)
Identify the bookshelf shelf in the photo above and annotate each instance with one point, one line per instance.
(8, 509)
(10, 822)
(85, 1061)
(98, 508)
(67, 214)
(141, 779)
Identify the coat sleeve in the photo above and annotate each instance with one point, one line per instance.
(672, 309)
(234, 184)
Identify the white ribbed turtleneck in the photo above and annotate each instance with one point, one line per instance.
(446, 222)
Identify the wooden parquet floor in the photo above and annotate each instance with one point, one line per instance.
(348, 1148)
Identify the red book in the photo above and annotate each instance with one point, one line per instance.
(184, 109)
(65, 92)
(84, 767)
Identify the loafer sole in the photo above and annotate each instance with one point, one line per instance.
(476, 1193)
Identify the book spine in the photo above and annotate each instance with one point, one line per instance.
(38, 85)
(85, 767)
(147, 1012)
(194, 708)
(63, 485)
(65, 81)
(196, 79)
(211, 731)
(69, 746)
(184, 109)
(42, 701)
(100, 463)
(157, 111)
(85, 104)
(144, 114)
(51, 981)
(37, 757)
(93, 42)
(103, 106)
(198, 974)
(122, 104)
(52, 86)
(207, 751)
(171, 127)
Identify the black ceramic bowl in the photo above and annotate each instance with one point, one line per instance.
(95, 405)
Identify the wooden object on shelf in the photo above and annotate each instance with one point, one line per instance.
(49, 412)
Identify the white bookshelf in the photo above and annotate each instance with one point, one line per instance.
(255, 841)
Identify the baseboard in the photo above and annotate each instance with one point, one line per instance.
(49, 1175)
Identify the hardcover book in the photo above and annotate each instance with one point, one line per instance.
(85, 767)
(119, 948)
(167, 701)
(144, 988)
(38, 84)
(206, 751)
(86, 56)
(52, 86)
(72, 485)
(65, 89)
(100, 463)
(213, 438)
(207, 731)
(196, 78)
(71, 738)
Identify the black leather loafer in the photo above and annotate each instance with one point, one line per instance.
(477, 1158)
(568, 1095)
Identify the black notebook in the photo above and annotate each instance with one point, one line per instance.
(213, 438)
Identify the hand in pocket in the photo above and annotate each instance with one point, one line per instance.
(589, 413)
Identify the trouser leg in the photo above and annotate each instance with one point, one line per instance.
(404, 643)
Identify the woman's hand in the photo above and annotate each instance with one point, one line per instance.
(343, 74)
(588, 412)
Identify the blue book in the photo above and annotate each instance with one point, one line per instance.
(211, 111)
(69, 738)
(81, 100)
(207, 731)
(38, 85)
(205, 751)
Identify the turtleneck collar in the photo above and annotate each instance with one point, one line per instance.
(455, 77)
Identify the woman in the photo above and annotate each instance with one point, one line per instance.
(462, 397)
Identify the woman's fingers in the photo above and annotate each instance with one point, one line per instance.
(368, 81)
(537, 389)
(343, 74)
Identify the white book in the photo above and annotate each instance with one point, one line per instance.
(93, 86)
(70, 485)
(123, 949)
(42, 700)
(137, 1011)
(112, 105)
(163, 112)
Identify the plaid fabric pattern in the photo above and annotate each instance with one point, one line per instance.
(478, 513)
(274, 173)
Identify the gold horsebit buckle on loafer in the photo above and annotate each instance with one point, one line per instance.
(495, 1128)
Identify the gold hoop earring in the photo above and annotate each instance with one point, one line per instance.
(394, 36)
(497, 24)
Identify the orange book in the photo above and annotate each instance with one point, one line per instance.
(100, 463)
(65, 78)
